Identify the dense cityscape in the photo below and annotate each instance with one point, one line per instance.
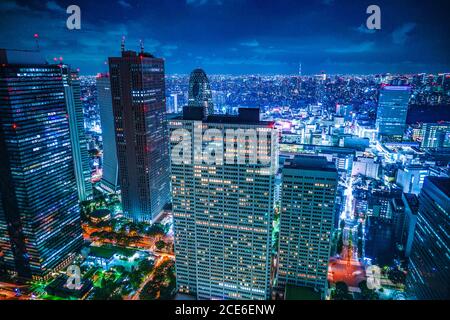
(137, 184)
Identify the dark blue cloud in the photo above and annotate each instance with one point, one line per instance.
(239, 36)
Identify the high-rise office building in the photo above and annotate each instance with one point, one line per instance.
(429, 274)
(223, 212)
(110, 175)
(200, 94)
(392, 112)
(78, 139)
(40, 228)
(306, 221)
(435, 135)
(138, 98)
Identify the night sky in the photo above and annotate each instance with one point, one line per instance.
(239, 36)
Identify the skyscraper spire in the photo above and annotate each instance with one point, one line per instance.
(36, 37)
(142, 45)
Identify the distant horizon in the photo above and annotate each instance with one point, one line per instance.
(49, 59)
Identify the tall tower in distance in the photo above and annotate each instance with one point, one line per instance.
(40, 229)
(78, 140)
(110, 175)
(392, 112)
(223, 213)
(200, 94)
(138, 99)
(306, 221)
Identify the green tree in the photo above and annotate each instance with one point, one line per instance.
(341, 292)
(396, 276)
(145, 267)
(160, 245)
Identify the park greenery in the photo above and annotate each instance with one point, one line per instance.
(116, 283)
(162, 286)
(341, 292)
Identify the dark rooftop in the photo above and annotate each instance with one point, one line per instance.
(245, 116)
(310, 163)
(442, 183)
(412, 201)
(131, 53)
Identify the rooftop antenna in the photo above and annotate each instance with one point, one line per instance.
(36, 38)
(142, 45)
(122, 45)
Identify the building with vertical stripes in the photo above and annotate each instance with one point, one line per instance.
(223, 212)
(139, 105)
(110, 167)
(306, 222)
(429, 277)
(78, 138)
(40, 227)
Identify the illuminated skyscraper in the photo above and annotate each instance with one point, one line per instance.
(138, 98)
(200, 92)
(429, 277)
(435, 135)
(306, 221)
(110, 175)
(40, 227)
(223, 213)
(78, 139)
(392, 112)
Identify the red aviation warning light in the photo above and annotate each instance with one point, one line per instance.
(36, 38)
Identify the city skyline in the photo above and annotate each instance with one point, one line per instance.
(224, 150)
(237, 36)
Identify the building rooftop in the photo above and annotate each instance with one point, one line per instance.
(131, 53)
(396, 88)
(412, 201)
(441, 183)
(245, 116)
(310, 163)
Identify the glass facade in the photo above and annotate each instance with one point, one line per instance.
(39, 213)
(392, 112)
(110, 168)
(429, 274)
(77, 133)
